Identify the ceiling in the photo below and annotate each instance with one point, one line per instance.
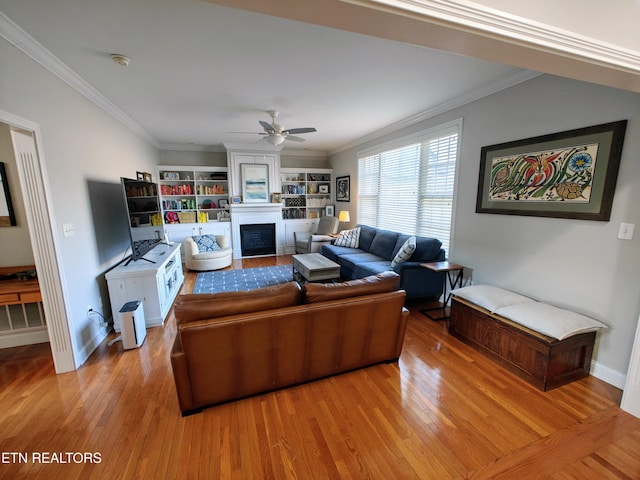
(199, 71)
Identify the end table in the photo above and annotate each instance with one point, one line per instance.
(452, 277)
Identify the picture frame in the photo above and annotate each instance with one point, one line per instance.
(323, 188)
(570, 174)
(276, 197)
(7, 214)
(329, 210)
(255, 182)
(223, 203)
(147, 177)
(235, 199)
(343, 187)
(171, 175)
(140, 176)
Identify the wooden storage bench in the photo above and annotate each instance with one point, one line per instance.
(543, 361)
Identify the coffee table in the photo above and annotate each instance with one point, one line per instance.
(314, 267)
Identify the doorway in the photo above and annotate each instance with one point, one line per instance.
(30, 163)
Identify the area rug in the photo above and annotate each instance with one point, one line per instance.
(242, 280)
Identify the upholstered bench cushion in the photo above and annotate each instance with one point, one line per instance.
(549, 320)
(489, 297)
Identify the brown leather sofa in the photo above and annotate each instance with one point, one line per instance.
(236, 344)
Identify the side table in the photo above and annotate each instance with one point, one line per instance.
(452, 278)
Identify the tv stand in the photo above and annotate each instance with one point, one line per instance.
(156, 282)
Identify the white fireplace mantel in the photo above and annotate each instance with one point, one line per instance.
(256, 213)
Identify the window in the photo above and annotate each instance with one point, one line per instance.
(408, 186)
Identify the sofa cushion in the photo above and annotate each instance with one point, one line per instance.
(367, 234)
(427, 250)
(333, 252)
(348, 238)
(210, 255)
(206, 243)
(351, 260)
(199, 306)
(384, 243)
(405, 251)
(371, 268)
(322, 292)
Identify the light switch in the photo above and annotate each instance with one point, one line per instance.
(67, 229)
(626, 231)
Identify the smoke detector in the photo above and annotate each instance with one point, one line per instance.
(120, 59)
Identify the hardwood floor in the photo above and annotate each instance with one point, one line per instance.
(443, 411)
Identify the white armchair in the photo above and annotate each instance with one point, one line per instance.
(213, 260)
(307, 242)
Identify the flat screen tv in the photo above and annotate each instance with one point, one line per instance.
(145, 217)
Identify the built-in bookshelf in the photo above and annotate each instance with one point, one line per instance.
(305, 192)
(193, 196)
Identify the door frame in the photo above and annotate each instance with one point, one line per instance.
(33, 180)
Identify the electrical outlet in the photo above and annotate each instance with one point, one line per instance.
(626, 231)
(89, 310)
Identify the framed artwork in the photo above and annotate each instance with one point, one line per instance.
(255, 182)
(7, 215)
(147, 177)
(223, 203)
(569, 174)
(140, 176)
(343, 189)
(329, 210)
(323, 188)
(276, 197)
(236, 199)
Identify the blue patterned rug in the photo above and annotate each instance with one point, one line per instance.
(242, 280)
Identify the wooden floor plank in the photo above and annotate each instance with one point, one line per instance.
(443, 411)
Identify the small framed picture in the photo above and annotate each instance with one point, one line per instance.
(223, 203)
(276, 197)
(236, 199)
(140, 176)
(323, 188)
(343, 193)
(171, 175)
(329, 210)
(147, 177)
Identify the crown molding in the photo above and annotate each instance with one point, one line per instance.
(24, 42)
(481, 19)
(484, 91)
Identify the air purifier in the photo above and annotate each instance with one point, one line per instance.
(132, 324)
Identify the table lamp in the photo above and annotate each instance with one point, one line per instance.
(343, 216)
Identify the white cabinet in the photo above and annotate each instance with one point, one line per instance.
(305, 192)
(156, 282)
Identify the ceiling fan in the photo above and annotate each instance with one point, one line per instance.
(275, 134)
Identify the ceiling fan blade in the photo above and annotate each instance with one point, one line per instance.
(267, 127)
(300, 130)
(293, 138)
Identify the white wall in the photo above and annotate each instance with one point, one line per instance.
(16, 246)
(576, 264)
(83, 146)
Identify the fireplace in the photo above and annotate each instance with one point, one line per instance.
(258, 239)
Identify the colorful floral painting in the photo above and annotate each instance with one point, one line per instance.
(563, 175)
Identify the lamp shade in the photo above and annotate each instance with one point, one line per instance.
(343, 216)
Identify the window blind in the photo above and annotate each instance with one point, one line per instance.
(409, 188)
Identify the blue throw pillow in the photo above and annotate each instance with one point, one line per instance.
(206, 243)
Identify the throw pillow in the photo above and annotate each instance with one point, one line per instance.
(405, 252)
(206, 243)
(348, 238)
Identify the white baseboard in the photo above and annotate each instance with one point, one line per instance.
(18, 339)
(88, 348)
(606, 374)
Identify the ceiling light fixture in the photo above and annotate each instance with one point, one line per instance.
(275, 139)
(120, 59)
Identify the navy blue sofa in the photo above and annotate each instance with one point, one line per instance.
(374, 254)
